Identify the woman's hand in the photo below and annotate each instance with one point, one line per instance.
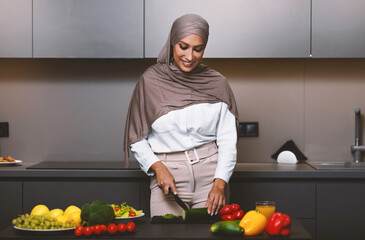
(216, 197)
(164, 178)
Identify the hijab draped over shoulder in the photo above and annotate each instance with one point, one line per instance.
(163, 87)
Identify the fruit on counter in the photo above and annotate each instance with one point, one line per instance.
(253, 223)
(227, 228)
(39, 210)
(197, 214)
(231, 212)
(100, 229)
(97, 213)
(123, 210)
(27, 221)
(70, 209)
(75, 216)
(278, 224)
(55, 212)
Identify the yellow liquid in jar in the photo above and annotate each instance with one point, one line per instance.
(267, 211)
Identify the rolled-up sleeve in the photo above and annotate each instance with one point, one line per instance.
(145, 156)
(227, 144)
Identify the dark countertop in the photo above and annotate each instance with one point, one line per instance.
(145, 230)
(242, 171)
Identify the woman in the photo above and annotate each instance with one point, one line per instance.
(182, 124)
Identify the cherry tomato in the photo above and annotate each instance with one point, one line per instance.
(227, 217)
(97, 229)
(78, 232)
(80, 227)
(87, 231)
(116, 209)
(112, 228)
(131, 227)
(132, 214)
(122, 227)
(225, 210)
(103, 228)
(238, 215)
(235, 207)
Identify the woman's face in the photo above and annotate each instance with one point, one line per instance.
(188, 52)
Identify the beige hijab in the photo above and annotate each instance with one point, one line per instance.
(163, 87)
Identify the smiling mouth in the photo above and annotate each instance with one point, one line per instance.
(187, 64)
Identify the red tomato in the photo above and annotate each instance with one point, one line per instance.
(78, 232)
(132, 214)
(116, 208)
(97, 229)
(103, 228)
(225, 210)
(227, 217)
(235, 207)
(131, 227)
(122, 227)
(87, 231)
(238, 215)
(80, 227)
(112, 228)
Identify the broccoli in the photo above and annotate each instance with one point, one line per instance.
(96, 213)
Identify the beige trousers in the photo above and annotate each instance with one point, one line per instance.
(193, 181)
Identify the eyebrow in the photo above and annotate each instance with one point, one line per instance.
(201, 45)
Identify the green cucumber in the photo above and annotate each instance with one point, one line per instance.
(196, 214)
(227, 228)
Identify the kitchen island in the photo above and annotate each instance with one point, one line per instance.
(324, 201)
(146, 230)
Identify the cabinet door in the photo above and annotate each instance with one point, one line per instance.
(10, 202)
(238, 28)
(340, 211)
(60, 194)
(88, 28)
(338, 29)
(16, 28)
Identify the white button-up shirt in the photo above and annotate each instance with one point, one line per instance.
(193, 126)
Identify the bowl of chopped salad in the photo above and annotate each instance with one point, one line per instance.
(124, 211)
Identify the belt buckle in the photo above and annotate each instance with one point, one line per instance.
(192, 161)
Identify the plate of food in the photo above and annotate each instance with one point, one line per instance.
(124, 211)
(140, 215)
(44, 230)
(9, 161)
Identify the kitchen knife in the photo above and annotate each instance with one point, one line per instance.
(178, 200)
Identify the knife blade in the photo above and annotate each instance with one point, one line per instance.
(178, 200)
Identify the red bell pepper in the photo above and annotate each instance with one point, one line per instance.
(278, 224)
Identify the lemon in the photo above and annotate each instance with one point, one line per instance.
(62, 218)
(55, 212)
(71, 209)
(39, 210)
(75, 216)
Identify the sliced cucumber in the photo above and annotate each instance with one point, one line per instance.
(195, 214)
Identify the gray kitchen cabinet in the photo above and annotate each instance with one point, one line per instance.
(60, 194)
(15, 28)
(340, 210)
(338, 29)
(10, 201)
(297, 199)
(238, 28)
(88, 29)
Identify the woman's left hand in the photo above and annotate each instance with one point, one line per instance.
(216, 197)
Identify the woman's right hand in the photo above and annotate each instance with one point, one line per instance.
(164, 178)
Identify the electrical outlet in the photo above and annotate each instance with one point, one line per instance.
(4, 129)
(248, 129)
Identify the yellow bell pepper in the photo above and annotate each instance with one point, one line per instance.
(253, 223)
